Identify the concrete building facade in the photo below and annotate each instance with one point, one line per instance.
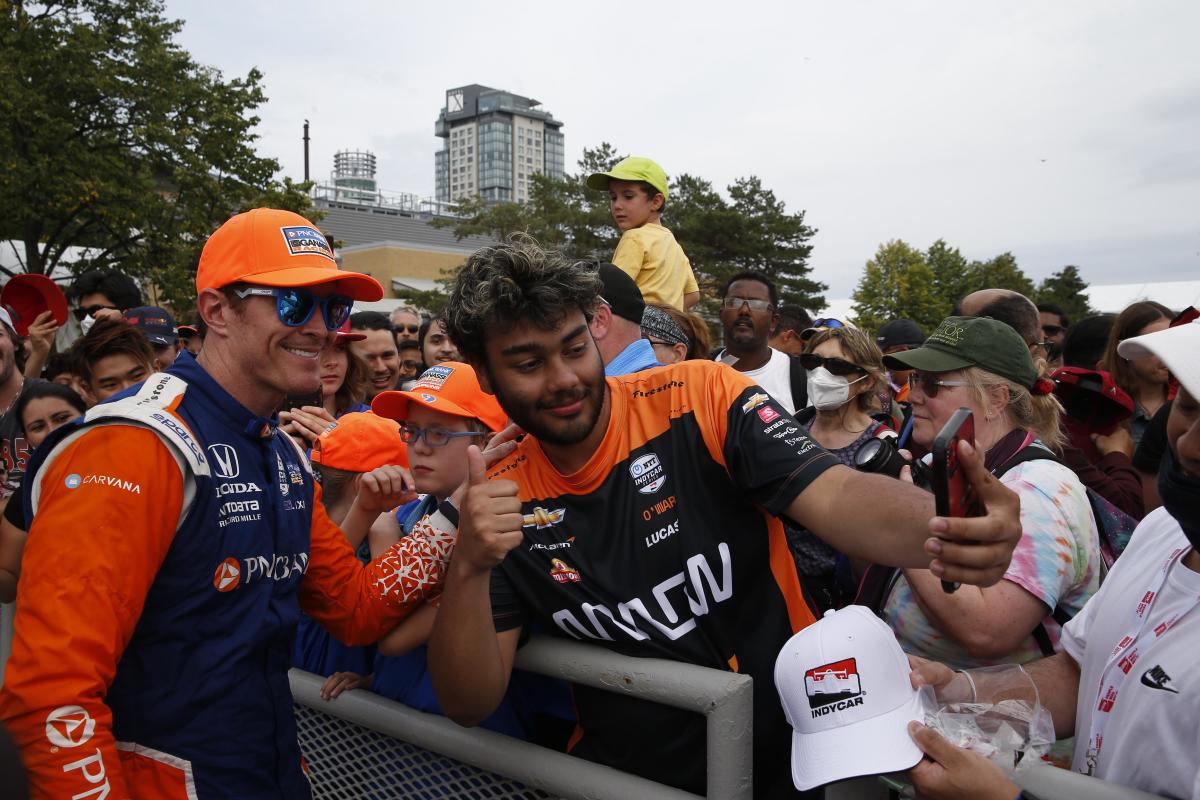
(493, 143)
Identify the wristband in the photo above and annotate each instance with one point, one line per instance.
(970, 680)
(449, 511)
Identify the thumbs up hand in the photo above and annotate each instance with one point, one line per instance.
(489, 518)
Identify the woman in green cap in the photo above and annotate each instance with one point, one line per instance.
(984, 365)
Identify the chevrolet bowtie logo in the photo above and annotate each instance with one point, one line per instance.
(543, 518)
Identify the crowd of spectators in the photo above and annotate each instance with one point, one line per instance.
(574, 426)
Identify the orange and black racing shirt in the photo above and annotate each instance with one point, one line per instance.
(666, 544)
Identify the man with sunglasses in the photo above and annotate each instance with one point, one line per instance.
(406, 322)
(748, 316)
(103, 294)
(176, 533)
(1054, 329)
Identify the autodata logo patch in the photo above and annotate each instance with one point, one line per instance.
(833, 687)
(648, 473)
(73, 481)
(303, 240)
(69, 726)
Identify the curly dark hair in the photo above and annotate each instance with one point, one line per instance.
(518, 281)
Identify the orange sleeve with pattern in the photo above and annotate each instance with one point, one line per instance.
(357, 605)
(103, 527)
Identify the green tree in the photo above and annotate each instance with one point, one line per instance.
(1001, 272)
(114, 140)
(1065, 288)
(897, 283)
(950, 274)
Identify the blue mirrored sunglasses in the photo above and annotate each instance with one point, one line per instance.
(827, 322)
(295, 305)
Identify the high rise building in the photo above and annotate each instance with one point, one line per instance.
(493, 143)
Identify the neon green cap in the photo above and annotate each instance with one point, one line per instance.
(634, 168)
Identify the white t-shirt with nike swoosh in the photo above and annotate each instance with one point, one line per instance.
(1152, 739)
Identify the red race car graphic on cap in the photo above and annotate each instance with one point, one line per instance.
(832, 682)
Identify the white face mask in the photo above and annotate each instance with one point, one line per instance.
(827, 391)
(86, 324)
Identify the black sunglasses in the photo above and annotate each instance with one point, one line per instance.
(929, 383)
(837, 366)
(1052, 330)
(81, 313)
(408, 328)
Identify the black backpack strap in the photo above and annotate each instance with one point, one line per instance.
(799, 381)
(1033, 452)
(1042, 636)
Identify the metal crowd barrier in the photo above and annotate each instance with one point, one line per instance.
(405, 753)
(365, 746)
(399, 752)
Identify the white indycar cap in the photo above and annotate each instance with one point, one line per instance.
(846, 693)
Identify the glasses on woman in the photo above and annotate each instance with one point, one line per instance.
(929, 383)
(837, 366)
(434, 437)
(295, 305)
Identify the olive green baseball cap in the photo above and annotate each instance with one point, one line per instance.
(634, 168)
(961, 342)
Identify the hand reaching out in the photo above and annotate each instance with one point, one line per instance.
(340, 682)
(384, 488)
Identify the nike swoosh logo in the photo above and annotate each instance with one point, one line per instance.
(1148, 681)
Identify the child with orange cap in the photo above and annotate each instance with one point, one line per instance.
(443, 414)
(360, 446)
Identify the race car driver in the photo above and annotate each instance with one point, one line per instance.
(176, 534)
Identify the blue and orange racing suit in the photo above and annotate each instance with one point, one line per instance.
(175, 537)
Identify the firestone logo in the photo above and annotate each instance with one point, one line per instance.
(69, 726)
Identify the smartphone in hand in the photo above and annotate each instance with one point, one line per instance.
(954, 496)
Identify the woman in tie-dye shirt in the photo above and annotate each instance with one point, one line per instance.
(984, 365)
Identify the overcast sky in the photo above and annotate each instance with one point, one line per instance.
(1066, 132)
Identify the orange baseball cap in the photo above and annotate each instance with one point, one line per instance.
(450, 387)
(360, 442)
(269, 247)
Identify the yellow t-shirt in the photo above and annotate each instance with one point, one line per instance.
(655, 261)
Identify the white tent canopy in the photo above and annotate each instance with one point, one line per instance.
(1111, 298)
